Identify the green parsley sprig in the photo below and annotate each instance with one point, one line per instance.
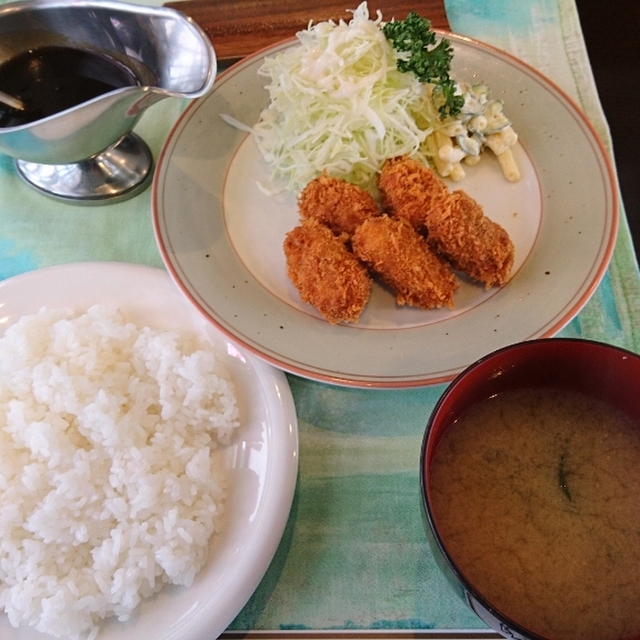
(429, 60)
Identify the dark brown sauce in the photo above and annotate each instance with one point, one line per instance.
(51, 79)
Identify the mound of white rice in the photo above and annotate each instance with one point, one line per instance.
(107, 487)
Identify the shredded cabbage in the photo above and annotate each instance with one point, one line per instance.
(339, 104)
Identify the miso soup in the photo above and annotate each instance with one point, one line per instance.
(536, 494)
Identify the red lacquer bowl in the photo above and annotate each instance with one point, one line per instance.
(602, 371)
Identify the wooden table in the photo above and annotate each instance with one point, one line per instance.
(239, 27)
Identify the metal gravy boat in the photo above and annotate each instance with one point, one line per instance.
(87, 153)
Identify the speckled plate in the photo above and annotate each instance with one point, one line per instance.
(221, 236)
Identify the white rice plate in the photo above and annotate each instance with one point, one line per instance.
(107, 486)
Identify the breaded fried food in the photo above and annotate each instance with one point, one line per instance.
(395, 251)
(408, 190)
(336, 203)
(325, 273)
(470, 241)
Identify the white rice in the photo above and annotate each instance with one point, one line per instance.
(107, 486)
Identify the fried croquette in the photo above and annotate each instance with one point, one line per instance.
(470, 241)
(336, 203)
(408, 190)
(395, 251)
(325, 273)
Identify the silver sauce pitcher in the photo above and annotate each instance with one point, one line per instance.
(87, 153)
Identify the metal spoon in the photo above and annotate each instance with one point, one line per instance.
(11, 101)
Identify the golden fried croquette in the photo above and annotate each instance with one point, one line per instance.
(336, 203)
(470, 241)
(394, 250)
(408, 190)
(325, 273)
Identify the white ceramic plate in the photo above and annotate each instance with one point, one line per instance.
(261, 462)
(221, 236)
